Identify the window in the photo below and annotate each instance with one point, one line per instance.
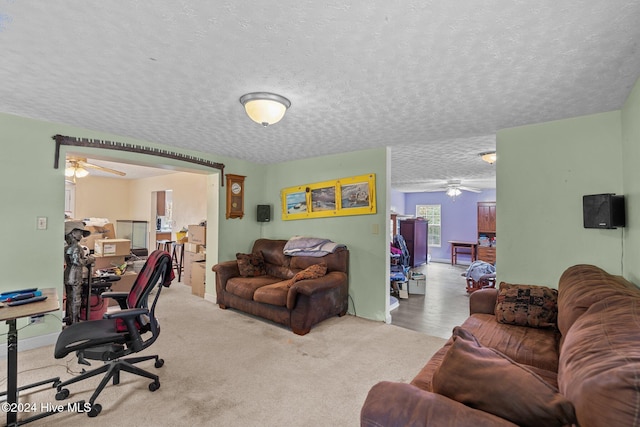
(432, 214)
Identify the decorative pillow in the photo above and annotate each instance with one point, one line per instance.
(251, 265)
(311, 272)
(485, 379)
(527, 305)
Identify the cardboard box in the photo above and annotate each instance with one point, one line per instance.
(109, 231)
(198, 234)
(198, 278)
(190, 258)
(110, 247)
(417, 286)
(103, 262)
(90, 240)
(192, 247)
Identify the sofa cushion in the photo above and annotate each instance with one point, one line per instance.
(582, 285)
(527, 305)
(274, 294)
(272, 251)
(486, 379)
(251, 265)
(530, 346)
(399, 404)
(245, 287)
(600, 363)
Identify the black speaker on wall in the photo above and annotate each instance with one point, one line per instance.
(264, 213)
(603, 211)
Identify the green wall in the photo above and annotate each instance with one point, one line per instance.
(542, 173)
(631, 174)
(364, 235)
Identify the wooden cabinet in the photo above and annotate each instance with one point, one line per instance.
(414, 232)
(487, 217)
(487, 232)
(487, 254)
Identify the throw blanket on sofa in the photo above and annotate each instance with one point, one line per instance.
(310, 246)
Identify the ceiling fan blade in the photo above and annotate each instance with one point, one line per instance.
(473, 190)
(101, 168)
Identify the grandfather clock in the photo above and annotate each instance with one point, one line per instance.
(235, 196)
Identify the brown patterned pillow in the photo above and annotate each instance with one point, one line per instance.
(251, 265)
(311, 272)
(485, 379)
(527, 305)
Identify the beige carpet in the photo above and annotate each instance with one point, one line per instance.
(226, 368)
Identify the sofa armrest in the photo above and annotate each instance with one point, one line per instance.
(483, 301)
(398, 404)
(224, 271)
(309, 287)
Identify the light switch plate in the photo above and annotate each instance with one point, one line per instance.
(42, 223)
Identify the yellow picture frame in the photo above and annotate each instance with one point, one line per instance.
(354, 195)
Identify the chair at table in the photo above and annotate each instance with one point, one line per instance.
(130, 330)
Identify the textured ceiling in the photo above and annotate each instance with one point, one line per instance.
(434, 80)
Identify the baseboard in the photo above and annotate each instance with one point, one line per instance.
(210, 297)
(31, 343)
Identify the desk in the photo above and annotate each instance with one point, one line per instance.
(11, 314)
(457, 245)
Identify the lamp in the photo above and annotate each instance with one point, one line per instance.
(265, 108)
(489, 157)
(75, 171)
(453, 191)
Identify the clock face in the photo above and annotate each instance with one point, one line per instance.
(235, 188)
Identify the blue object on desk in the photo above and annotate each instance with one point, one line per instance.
(20, 291)
(17, 296)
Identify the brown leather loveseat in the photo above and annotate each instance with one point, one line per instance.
(282, 291)
(495, 371)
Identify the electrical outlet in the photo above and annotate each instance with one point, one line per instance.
(36, 319)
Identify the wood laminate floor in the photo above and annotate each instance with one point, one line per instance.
(444, 305)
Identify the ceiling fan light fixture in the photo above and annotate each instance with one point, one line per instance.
(69, 171)
(265, 108)
(81, 172)
(489, 157)
(453, 192)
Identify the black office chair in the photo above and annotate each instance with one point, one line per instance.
(130, 330)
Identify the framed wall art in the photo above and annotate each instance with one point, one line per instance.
(353, 195)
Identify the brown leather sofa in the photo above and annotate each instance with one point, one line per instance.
(588, 367)
(298, 305)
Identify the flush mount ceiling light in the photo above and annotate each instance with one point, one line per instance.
(265, 108)
(489, 157)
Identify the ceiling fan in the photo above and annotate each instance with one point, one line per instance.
(77, 168)
(453, 188)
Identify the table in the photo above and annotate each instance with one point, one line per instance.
(11, 314)
(456, 245)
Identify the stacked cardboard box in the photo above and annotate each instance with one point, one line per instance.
(198, 277)
(194, 273)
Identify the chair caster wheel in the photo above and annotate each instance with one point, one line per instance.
(96, 408)
(154, 386)
(159, 363)
(62, 394)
